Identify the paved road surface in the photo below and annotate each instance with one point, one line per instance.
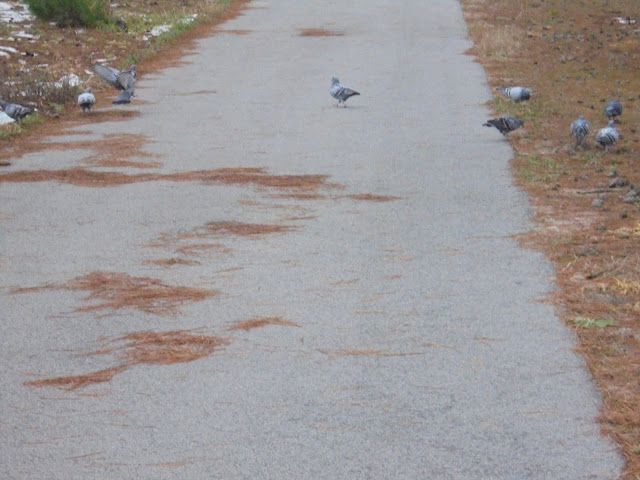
(421, 348)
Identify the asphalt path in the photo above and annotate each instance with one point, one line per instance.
(421, 348)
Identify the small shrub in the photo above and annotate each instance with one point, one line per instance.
(71, 13)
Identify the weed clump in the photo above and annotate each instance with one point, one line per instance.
(71, 13)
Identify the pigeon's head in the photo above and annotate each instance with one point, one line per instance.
(334, 80)
(611, 123)
(88, 90)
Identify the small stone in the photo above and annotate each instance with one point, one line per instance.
(618, 182)
(598, 202)
(632, 196)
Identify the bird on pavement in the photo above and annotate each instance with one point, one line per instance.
(86, 100)
(340, 92)
(517, 94)
(15, 111)
(580, 129)
(608, 136)
(122, 80)
(613, 109)
(505, 124)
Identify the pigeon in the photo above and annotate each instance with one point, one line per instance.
(340, 92)
(613, 109)
(608, 136)
(517, 94)
(124, 97)
(505, 124)
(86, 100)
(122, 80)
(579, 129)
(15, 111)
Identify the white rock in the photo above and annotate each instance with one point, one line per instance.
(159, 30)
(14, 13)
(5, 119)
(28, 36)
(70, 78)
(9, 49)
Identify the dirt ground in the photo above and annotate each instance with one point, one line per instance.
(575, 56)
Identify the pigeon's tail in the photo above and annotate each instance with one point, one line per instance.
(123, 98)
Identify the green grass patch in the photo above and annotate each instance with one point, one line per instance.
(71, 13)
(586, 322)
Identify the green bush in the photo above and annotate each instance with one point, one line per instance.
(71, 13)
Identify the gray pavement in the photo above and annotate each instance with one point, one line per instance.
(422, 350)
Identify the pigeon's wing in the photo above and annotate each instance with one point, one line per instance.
(17, 112)
(126, 80)
(108, 73)
(347, 92)
(124, 97)
(335, 90)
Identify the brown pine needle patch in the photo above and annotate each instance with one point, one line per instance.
(119, 290)
(261, 322)
(164, 348)
(72, 382)
(196, 248)
(372, 197)
(224, 176)
(319, 32)
(145, 347)
(244, 229)
(169, 262)
(357, 352)
(235, 31)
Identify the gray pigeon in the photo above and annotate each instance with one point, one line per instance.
(517, 94)
(124, 97)
(505, 124)
(608, 136)
(122, 80)
(15, 111)
(613, 109)
(579, 129)
(340, 92)
(86, 100)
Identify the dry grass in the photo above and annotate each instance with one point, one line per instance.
(261, 322)
(146, 347)
(575, 57)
